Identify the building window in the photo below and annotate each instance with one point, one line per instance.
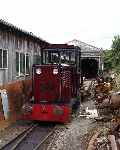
(3, 59)
(0, 58)
(17, 63)
(37, 59)
(22, 64)
(27, 64)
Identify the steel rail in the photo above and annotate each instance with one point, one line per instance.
(44, 140)
(23, 137)
(18, 136)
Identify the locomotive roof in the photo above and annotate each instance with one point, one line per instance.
(59, 47)
(52, 65)
(63, 46)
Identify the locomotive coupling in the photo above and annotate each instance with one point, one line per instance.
(27, 109)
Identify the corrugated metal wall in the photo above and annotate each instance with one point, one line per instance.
(13, 42)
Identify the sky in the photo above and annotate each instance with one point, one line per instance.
(95, 22)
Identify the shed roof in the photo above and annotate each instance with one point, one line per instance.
(10, 27)
(84, 46)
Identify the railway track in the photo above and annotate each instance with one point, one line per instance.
(31, 139)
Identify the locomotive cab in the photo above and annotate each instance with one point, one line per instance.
(55, 84)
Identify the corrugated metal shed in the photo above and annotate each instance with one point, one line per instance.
(12, 28)
(84, 46)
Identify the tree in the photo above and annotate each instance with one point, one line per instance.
(108, 60)
(116, 51)
(112, 57)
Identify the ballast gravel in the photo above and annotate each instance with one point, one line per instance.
(74, 135)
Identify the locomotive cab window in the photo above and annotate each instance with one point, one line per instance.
(51, 57)
(69, 56)
(55, 57)
(64, 57)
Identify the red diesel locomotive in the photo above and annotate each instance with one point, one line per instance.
(55, 84)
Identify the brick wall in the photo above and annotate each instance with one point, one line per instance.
(18, 93)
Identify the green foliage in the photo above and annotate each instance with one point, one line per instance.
(112, 57)
(116, 51)
(108, 62)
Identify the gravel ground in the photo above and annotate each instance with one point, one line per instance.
(76, 135)
(73, 136)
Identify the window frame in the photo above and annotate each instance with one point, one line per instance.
(35, 57)
(2, 59)
(20, 74)
(27, 54)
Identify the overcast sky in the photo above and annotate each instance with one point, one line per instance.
(58, 21)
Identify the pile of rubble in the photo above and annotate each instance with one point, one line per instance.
(106, 100)
(108, 107)
(106, 138)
